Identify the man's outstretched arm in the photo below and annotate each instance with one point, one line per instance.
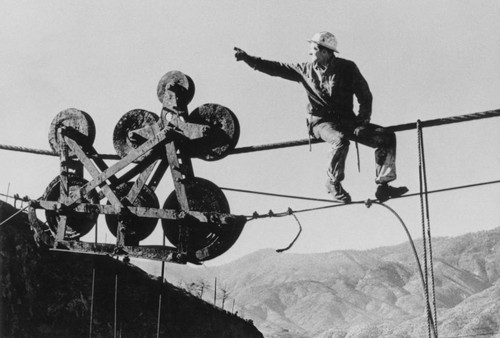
(284, 70)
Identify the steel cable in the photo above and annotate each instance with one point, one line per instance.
(14, 215)
(423, 205)
(248, 149)
(429, 238)
(334, 204)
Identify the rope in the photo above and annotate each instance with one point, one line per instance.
(51, 153)
(115, 328)
(395, 128)
(424, 236)
(447, 120)
(410, 240)
(92, 302)
(472, 185)
(16, 197)
(296, 237)
(278, 195)
(429, 238)
(248, 149)
(14, 215)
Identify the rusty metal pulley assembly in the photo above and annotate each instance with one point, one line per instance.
(196, 217)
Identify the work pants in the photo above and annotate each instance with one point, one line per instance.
(371, 135)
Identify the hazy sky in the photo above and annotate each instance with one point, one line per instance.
(422, 60)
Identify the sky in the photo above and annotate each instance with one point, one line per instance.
(422, 59)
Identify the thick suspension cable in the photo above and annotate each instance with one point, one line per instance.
(395, 128)
(287, 144)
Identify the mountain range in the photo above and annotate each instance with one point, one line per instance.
(371, 293)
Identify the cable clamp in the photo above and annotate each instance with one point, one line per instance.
(368, 203)
(290, 211)
(270, 213)
(255, 214)
(34, 203)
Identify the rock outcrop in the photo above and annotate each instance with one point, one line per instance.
(49, 294)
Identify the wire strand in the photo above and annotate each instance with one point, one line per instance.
(429, 238)
(423, 205)
(338, 204)
(296, 237)
(14, 215)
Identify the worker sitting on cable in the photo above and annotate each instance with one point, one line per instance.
(331, 83)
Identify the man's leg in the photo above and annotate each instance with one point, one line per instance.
(328, 132)
(384, 142)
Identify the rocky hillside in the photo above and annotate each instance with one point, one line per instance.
(49, 294)
(374, 293)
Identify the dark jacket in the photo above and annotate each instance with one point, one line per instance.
(330, 93)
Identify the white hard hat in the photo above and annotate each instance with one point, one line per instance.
(325, 39)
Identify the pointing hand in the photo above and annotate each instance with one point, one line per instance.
(240, 54)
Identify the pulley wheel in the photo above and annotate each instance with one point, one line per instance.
(179, 83)
(213, 240)
(224, 132)
(136, 228)
(79, 121)
(77, 224)
(123, 141)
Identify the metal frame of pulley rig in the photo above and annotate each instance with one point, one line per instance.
(169, 141)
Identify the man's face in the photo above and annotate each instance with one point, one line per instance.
(317, 55)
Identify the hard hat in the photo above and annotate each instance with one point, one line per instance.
(325, 39)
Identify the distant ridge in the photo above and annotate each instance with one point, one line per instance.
(370, 293)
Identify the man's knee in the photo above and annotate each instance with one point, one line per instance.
(385, 138)
(390, 139)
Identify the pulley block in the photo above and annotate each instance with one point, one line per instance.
(223, 134)
(179, 83)
(203, 241)
(135, 228)
(195, 217)
(81, 124)
(77, 224)
(131, 131)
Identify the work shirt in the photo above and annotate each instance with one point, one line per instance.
(330, 91)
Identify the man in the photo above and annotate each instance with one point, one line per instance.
(331, 83)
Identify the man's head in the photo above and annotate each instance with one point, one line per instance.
(322, 47)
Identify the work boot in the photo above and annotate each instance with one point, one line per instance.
(385, 191)
(338, 193)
